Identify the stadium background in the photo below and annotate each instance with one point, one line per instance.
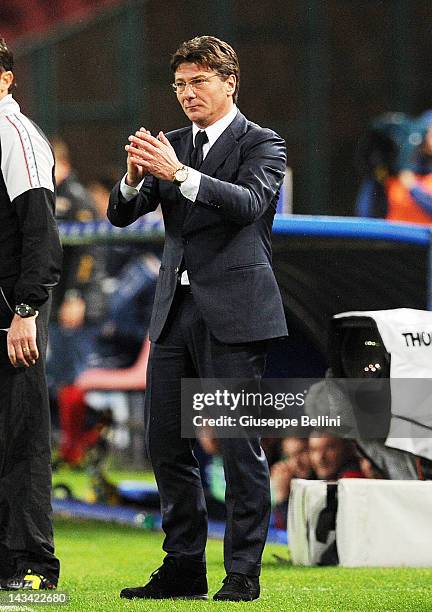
(315, 71)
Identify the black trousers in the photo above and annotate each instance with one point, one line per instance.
(187, 349)
(26, 536)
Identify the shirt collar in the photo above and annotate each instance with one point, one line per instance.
(215, 130)
(8, 106)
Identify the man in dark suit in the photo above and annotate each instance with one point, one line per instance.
(216, 307)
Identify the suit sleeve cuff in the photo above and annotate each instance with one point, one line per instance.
(128, 192)
(190, 187)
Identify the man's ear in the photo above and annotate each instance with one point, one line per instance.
(6, 80)
(231, 83)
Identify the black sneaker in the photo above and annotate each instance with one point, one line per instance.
(170, 581)
(238, 587)
(27, 580)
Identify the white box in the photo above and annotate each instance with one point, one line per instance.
(384, 523)
(307, 499)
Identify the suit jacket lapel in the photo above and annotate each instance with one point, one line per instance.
(214, 158)
(218, 153)
(184, 148)
(223, 146)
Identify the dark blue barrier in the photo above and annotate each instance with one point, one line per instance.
(324, 265)
(346, 227)
(340, 227)
(75, 509)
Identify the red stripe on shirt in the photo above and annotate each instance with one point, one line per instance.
(22, 145)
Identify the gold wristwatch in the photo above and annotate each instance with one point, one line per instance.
(180, 175)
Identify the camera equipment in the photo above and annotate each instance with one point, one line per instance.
(389, 145)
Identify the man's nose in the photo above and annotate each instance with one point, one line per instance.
(189, 91)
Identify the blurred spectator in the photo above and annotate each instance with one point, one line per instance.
(369, 469)
(78, 300)
(115, 341)
(128, 310)
(128, 287)
(118, 255)
(406, 195)
(295, 463)
(333, 458)
(116, 358)
(100, 189)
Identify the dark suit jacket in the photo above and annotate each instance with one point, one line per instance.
(224, 237)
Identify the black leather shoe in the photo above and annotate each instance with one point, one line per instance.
(238, 587)
(170, 581)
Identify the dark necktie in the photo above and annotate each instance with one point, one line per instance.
(196, 159)
(197, 153)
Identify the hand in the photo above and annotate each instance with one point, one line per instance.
(71, 313)
(21, 342)
(135, 173)
(153, 155)
(281, 475)
(407, 178)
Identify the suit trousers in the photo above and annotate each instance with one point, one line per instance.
(26, 535)
(187, 349)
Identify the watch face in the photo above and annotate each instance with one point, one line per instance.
(24, 310)
(181, 175)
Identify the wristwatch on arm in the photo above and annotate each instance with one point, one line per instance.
(25, 311)
(180, 175)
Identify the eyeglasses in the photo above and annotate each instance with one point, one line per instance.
(198, 83)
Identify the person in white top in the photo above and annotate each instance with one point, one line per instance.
(30, 263)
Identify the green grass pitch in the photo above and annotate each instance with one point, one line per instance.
(99, 559)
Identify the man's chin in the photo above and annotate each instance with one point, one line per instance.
(194, 114)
